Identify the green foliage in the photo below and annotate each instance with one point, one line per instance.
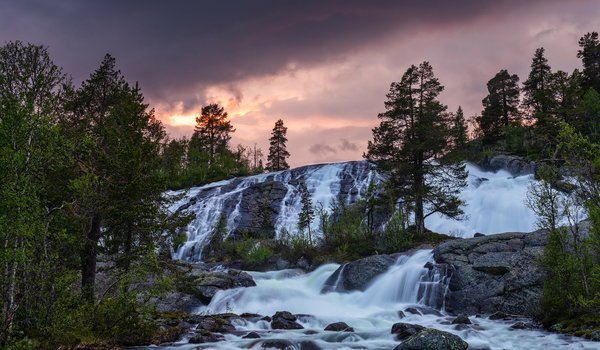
(500, 106)
(307, 213)
(396, 237)
(408, 146)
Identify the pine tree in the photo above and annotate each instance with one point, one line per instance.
(566, 93)
(307, 213)
(212, 132)
(276, 160)
(590, 57)
(409, 144)
(501, 106)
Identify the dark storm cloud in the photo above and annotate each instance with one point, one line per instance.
(174, 47)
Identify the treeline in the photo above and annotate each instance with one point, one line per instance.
(525, 118)
(83, 172)
(207, 156)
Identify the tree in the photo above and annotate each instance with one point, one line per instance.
(276, 160)
(409, 144)
(31, 87)
(590, 57)
(307, 212)
(117, 187)
(566, 94)
(500, 106)
(459, 130)
(537, 98)
(212, 132)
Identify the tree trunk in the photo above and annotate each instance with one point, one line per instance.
(88, 258)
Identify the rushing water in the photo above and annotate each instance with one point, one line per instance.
(371, 313)
(495, 204)
(495, 201)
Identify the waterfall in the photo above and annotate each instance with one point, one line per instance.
(495, 202)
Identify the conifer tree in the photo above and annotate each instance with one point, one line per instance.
(501, 106)
(212, 132)
(589, 53)
(307, 213)
(459, 130)
(537, 100)
(276, 160)
(409, 144)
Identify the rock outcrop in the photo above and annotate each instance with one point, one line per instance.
(358, 274)
(494, 273)
(517, 166)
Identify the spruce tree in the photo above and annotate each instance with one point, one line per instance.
(459, 130)
(589, 53)
(276, 160)
(409, 144)
(212, 132)
(307, 212)
(500, 106)
(537, 100)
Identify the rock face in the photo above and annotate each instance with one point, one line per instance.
(517, 166)
(358, 274)
(494, 273)
(208, 283)
(433, 339)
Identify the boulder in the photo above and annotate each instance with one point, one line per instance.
(285, 320)
(433, 339)
(206, 337)
(406, 330)
(358, 274)
(309, 345)
(461, 319)
(208, 283)
(494, 273)
(517, 166)
(280, 344)
(220, 323)
(252, 335)
(339, 327)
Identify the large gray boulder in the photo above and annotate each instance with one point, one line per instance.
(494, 273)
(433, 339)
(358, 274)
(515, 165)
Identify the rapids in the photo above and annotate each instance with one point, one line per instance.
(371, 313)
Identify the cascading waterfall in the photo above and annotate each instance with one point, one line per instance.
(371, 313)
(495, 204)
(495, 201)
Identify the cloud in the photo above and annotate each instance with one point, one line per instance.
(348, 146)
(321, 149)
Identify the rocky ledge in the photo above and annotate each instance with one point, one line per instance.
(494, 273)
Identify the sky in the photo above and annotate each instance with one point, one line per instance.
(323, 67)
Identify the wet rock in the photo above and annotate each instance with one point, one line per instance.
(499, 315)
(401, 314)
(358, 274)
(406, 330)
(252, 335)
(461, 319)
(412, 310)
(433, 339)
(309, 345)
(285, 320)
(280, 344)
(478, 234)
(524, 325)
(517, 166)
(216, 323)
(206, 337)
(339, 327)
(205, 286)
